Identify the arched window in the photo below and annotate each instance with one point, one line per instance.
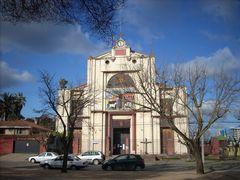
(119, 95)
(120, 80)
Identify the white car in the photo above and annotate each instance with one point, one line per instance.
(43, 156)
(93, 157)
(73, 162)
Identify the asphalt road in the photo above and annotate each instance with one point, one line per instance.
(15, 166)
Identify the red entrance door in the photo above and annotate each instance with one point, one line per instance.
(167, 141)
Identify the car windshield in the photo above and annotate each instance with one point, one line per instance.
(77, 158)
(42, 154)
(59, 158)
(121, 157)
(71, 157)
(85, 154)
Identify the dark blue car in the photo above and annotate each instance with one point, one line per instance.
(124, 162)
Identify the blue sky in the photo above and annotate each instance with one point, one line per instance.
(175, 31)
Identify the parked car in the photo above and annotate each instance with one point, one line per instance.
(73, 162)
(43, 156)
(124, 162)
(93, 157)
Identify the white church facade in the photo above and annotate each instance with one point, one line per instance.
(110, 124)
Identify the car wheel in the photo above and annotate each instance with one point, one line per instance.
(46, 166)
(73, 167)
(109, 168)
(95, 162)
(33, 160)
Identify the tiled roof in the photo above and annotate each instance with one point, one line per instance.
(81, 86)
(22, 123)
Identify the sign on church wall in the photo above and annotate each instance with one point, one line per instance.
(119, 102)
(119, 52)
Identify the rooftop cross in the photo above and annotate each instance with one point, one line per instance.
(120, 35)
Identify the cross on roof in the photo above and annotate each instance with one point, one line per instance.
(120, 34)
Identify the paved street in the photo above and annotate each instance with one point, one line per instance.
(16, 167)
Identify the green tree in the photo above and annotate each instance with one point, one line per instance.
(11, 106)
(6, 100)
(19, 102)
(46, 121)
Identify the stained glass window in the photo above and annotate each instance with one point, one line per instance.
(120, 81)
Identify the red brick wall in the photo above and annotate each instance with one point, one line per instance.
(215, 146)
(6, 145)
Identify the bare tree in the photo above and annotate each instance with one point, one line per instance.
(236, 114)
(236, 145)
(178, 91)
(98, 16)
(234, 142)
(42, 139)
(67, 105)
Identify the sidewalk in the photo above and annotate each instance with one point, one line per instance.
(15, 157)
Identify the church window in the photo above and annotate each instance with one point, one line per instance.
(167, 106)
(120, 80)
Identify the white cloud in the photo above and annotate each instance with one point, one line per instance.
(47, 38)
(222, 58)
(11, 77)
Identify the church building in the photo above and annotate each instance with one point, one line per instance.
(111, 124)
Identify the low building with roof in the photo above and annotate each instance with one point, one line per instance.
(20, 136)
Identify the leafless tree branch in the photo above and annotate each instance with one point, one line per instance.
(96, 16)
(67, 104)
(189, 90)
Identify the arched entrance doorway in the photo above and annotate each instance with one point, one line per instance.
(120, 122)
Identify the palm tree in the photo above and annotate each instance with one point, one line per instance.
(11, 106)
(6, 101)
(19, 102)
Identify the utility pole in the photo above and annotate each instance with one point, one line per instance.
(202, 146)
